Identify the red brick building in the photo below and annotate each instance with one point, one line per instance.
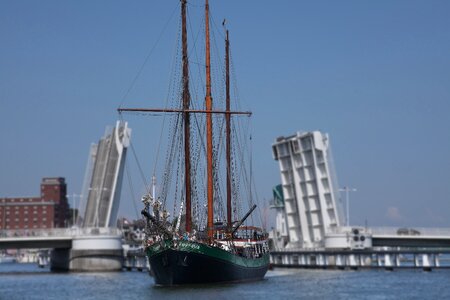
(49, 210)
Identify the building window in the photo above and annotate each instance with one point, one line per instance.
(26, 212)
(7, 212)
(17, 212)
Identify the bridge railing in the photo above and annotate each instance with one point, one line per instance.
(58, 232)
(405, 231)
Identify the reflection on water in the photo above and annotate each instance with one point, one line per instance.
(27, 281)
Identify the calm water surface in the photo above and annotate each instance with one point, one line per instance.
(27, 281)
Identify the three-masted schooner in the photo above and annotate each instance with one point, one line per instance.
(221, 252)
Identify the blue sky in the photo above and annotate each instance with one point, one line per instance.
(373, 74)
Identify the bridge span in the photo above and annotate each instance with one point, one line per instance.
(74, 249)
(410, 237)
(51, 238)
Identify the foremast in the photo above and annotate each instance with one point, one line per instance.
(187, 127)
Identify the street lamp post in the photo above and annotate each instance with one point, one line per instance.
(347, 191)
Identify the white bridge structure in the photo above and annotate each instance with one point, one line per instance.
(52, 238)
(97, 245)
(74, 249)
(310, 229)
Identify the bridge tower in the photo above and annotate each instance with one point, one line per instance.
(105, 177)
(307, 205)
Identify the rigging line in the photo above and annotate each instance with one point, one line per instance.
(195, 39)
(219, 71)
(252, 178)
(194, 50)
(170, 89)
(137, 162)
(242, 169)
(195, 5)
(171, 157)
(147, 57)
(211, 17)
(130, 185)
(237, 96)
(252, 202)
(147, 188)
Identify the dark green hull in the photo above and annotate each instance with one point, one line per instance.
(195, 263)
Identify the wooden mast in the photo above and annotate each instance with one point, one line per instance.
(187, 131)
(208, 107)
(186, 111)
(228, 129)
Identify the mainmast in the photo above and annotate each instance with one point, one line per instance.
(208, 107)
(228, 129)
(187, 131)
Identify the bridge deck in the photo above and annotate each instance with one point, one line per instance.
(48, 238)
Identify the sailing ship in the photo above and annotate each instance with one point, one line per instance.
(221, 251)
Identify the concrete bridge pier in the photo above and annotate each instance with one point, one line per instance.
(436, 260)
(59, 259)
(353, 261)
(302, 260)
(416, 261)
(379, 260)
(426, 262)
(96, 253)
(89, 254)
(340, 261)
(389, 262)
